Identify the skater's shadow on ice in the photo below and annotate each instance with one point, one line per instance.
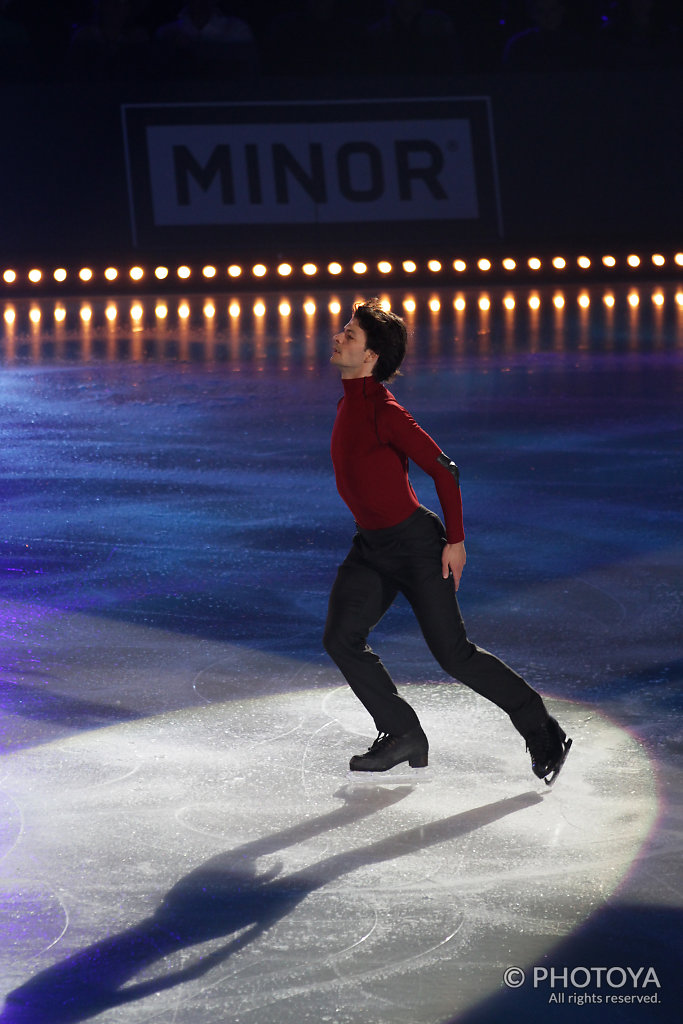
(226, 897)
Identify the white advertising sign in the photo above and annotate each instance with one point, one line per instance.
(315, 173)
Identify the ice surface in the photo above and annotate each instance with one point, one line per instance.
(215, 860)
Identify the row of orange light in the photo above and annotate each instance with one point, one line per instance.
(284, 270)
(259, 308)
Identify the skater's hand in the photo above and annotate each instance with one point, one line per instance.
(453, 560)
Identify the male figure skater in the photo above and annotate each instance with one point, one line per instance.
(401, 546)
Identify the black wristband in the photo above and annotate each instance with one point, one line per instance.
(443, 460)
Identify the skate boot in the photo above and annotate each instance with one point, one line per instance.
(388, 751)
(548, 746)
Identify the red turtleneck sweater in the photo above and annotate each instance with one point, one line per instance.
(372, 439)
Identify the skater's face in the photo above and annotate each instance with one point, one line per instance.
(349, 352)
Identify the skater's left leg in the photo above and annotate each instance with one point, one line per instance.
(444, 630)
(441, 622)
(436, 607)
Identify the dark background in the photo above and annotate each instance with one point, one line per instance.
(586, 124)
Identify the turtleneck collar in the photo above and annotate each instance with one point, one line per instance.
(361, 386)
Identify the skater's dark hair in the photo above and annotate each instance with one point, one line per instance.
(386, 336)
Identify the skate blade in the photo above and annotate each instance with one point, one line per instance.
(567, 747)
(400, 775)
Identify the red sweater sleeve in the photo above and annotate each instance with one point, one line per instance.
(395, 426)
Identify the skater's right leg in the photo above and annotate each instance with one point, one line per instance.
(359, 598)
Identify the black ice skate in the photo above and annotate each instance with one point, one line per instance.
(548, 746)
(388, 751)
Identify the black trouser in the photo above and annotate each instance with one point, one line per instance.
(407, 558)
